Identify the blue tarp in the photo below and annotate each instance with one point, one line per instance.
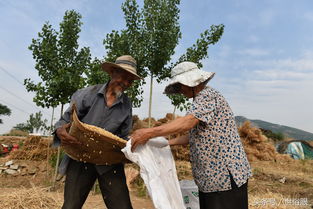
(299, 150)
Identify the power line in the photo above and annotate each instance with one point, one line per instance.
(23, 100)
(16, 96)
(12, 76)
(14, 107)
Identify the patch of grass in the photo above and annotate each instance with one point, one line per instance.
(53, 158)
(305, 185)
(20, 144)
(140, 186)
(257, 171)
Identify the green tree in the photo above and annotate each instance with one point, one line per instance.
(196, 53)
(4, 110)
(95, 74)
(34, 124)
(22, 127)
(59, 62)
(180, 102)
(150, 36)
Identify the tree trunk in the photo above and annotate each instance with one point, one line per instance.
(48, 146)
(174, 113)
(150, 100)
(58, 157)
(169, 137)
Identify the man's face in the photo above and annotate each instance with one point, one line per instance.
(122, 80)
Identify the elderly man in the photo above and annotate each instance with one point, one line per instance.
(105, 106)
(219, 163)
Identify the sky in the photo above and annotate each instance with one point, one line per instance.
(263, 62)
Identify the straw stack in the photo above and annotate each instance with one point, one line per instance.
(256, 145)
(35, 198)
(34, 148)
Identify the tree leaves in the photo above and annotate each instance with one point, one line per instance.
(196, 53)
(59, 63)
(35, 123)
(199, 50)
(4, 110)
(150, 36)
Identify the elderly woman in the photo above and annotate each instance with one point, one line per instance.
(219, 163)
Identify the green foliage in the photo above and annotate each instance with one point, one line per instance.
(140, 186)
(59, 62)
(4, 110)
(274, 136)
(150, 36)
(53, 158)
(180, 101)
(95, 74)
(35, 123)
(196, 53)
(199, 50)
(22, 127)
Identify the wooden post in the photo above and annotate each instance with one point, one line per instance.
(58, 158)
(48, 147)
(150, 100)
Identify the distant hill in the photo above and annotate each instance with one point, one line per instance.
(276, 128)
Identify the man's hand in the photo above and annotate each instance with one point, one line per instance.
(66, 139)
(140, 136)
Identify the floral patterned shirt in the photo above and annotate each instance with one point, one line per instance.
(215, 147)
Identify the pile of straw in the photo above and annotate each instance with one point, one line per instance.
(256, 145)
(184, 170)
(137, 123)
(34, 148)
(34, 198)
(180, 152)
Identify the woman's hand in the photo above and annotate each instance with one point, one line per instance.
(140, 136)
(181, 140)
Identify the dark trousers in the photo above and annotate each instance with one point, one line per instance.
(80, 177)
(236, 198)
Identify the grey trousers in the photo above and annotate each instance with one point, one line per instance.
(80, 177)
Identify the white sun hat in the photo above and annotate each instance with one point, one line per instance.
(186, 73)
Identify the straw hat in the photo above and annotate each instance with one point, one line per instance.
(186, 73)
(125, 62)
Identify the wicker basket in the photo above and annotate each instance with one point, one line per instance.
(98, 146)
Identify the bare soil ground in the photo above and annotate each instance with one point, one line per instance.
(280, 183)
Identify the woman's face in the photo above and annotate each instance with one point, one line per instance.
(186, 91)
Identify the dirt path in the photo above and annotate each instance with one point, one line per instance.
(96, 202)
